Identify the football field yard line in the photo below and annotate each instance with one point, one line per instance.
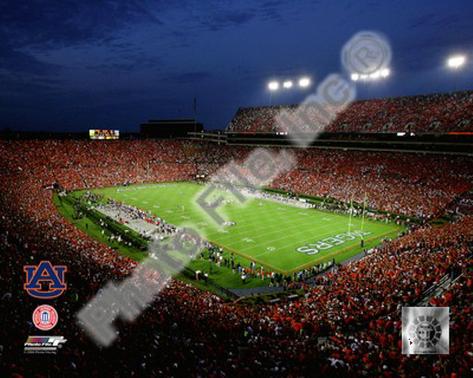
(285, 229)
(258, 221)
(269, 223)
(269, 214)
(300, 225)
(302, 241)
(317, 234)
(292, 220)
(284, 247)
(297, 226)
(304, 266)
(273, 268)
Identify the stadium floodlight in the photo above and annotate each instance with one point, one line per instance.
(287, 84)
(304, 82)
(375, 75)
(385, 72)
(456, 61)
(273, 85)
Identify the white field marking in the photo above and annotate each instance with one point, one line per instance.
(288, 247)
(243, 231)
(261, 243)
(347, 245)
(296, 220)
(272, 214)
(299, 225)
(317, 233)
(321, 237)
(156, 206)
(295, 225)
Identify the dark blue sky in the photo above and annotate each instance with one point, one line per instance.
(75, 65)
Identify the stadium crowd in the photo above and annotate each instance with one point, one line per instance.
(398, 183)
(347, 324)
(437, 113)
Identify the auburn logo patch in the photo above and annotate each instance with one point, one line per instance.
(45, 281)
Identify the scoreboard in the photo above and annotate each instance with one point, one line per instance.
(103, 134)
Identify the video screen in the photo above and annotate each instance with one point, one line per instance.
(104, 134)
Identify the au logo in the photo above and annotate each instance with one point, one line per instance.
(45, 281)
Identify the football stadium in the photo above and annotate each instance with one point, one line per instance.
(319, 225)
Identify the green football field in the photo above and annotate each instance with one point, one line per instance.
(279, 236)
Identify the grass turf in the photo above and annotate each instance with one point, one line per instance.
(267, 232)
(222, 276)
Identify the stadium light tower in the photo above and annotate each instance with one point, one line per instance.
(383, 73)
(287, 84)
(355, 76)
(273, 86)
(456, 61)
(304, 82)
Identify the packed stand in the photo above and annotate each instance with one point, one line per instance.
(347, 324)
(436, 113)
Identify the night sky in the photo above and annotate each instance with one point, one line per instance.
(75, 65)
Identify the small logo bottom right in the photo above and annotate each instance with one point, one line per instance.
(425, 330)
